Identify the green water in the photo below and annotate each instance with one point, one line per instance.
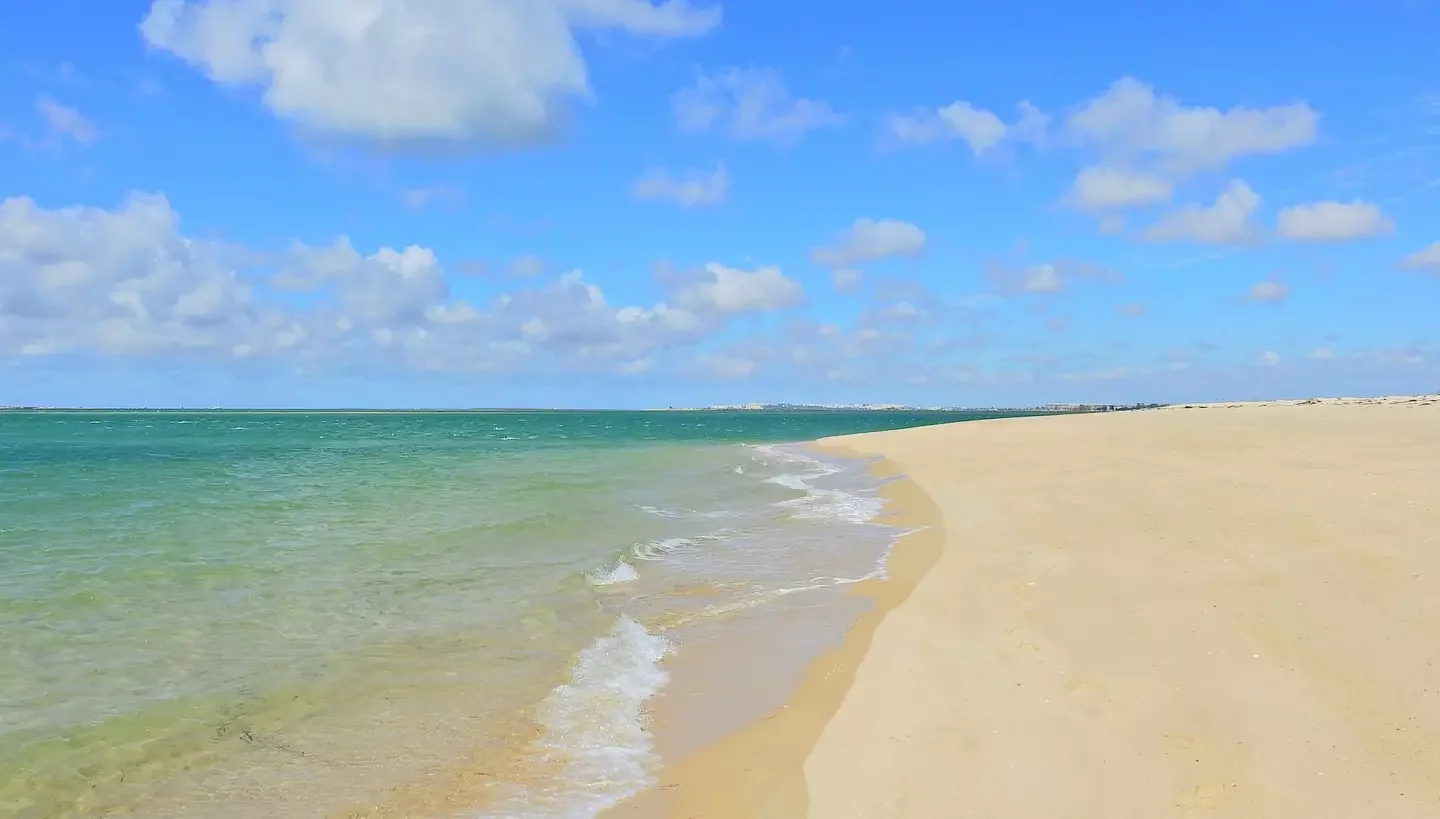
(183, 593)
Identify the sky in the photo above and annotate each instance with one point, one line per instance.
(643, 203)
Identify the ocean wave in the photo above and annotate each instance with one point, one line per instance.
(790, 481)
(658, 549)
(682, 514)
(669, 514)
(614, 574)
(819, 503)
(835, 504)
(773, 454)
(596, 729)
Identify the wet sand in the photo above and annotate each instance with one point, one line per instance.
(1226, 610)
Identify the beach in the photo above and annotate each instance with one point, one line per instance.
(1219, 610)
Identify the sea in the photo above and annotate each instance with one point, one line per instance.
(228, 614)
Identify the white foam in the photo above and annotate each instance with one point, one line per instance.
(771, 455)
(790, 481)
(835, 504)
(595, 726)
(818, 503)
(673, 514)
(662, 513)
(658, 549)
(620, 572)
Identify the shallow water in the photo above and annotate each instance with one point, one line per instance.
(303, 614)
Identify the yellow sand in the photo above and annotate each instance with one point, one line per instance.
(1221, 612)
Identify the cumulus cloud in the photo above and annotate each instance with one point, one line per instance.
(1269, 358)
(1333, 222)
(722, 290)
(1426, 259)
(1130, 122)
(750, 104)
(411, 73)
(958, 120)
(124, 282)
(871, 240)
(1268, 292)
(690, 188)
(982, 130)
(1046, 278)
(1102, 187)
(1227, 222)
(384, 287)
(128, 281)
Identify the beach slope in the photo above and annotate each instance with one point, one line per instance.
(1219, 611)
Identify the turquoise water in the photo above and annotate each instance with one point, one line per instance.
(300, 614)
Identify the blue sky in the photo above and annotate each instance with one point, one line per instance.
(629, 203)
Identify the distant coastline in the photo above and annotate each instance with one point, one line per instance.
(1043, 408)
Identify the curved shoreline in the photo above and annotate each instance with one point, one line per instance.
(1228, 611)
(722, 780)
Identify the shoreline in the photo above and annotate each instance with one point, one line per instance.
(1108, 642)
(720, 780)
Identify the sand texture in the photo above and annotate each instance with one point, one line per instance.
(1227, 611)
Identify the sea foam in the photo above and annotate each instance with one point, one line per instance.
(818, 503)
(618, 572)
(595, 728)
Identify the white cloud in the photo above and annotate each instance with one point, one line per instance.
(847, 280)
(1269, 358)
(1227, 222)
(1426, 259)
(384, 287)
(1101, 187)
(981, 129)
(1045, 278)
(411, 73)
(637, 366)
(1039, 278)
(127, 281)
(123, 282)
(1268, 292)
(750, 104)
(1333, 222)
(1130, 121)
(690, 188)
(732, 368)
(728, 291)
(64, 122)
(871, 240)
(1033, 126)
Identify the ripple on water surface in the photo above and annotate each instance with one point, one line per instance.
(225, 614)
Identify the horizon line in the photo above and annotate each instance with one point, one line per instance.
(714, 408)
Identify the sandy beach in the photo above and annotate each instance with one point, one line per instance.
(1224, 610)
